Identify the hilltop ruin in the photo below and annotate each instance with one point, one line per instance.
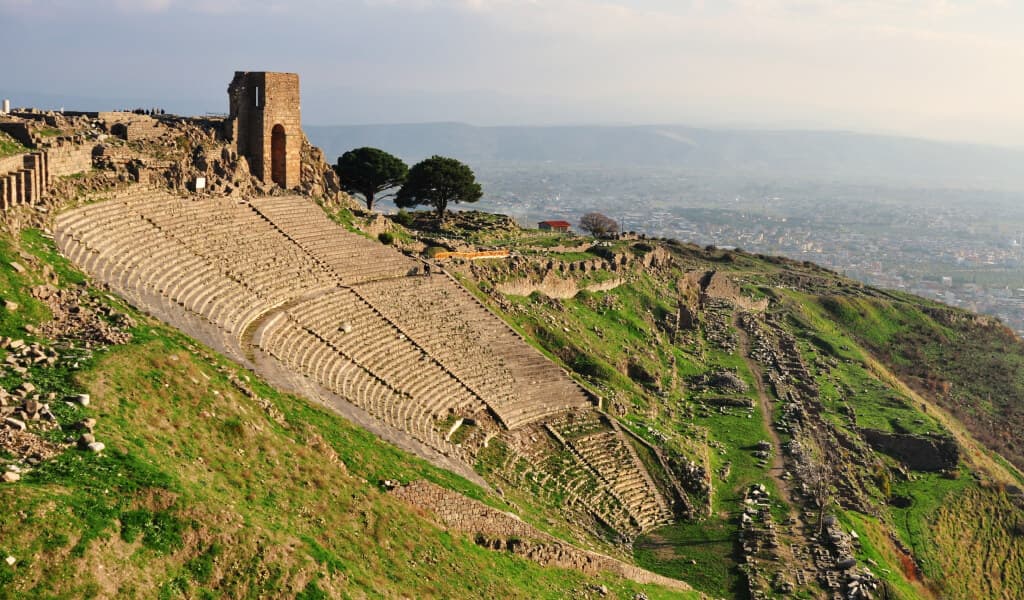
(256, 148)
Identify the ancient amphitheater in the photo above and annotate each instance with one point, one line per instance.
(273, 283)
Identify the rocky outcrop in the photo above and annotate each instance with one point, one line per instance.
(318, 178)
(554, 286)
(918, 452)
(715, 285)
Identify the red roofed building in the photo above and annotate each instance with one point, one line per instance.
(559, 226)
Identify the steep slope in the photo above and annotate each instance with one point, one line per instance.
(743, 372)
(972, 365)
(273, 283)
(764, 428)
(211, 483)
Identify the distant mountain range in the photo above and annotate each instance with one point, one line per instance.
(817, 155)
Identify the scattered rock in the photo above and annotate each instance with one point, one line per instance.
(18, 268)
(10, 306)
(14, 423)
(96, 447)
(10, 560)
(82, 399)
(10, 477)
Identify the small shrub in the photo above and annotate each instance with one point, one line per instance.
(233, 427)
(386, 238)
(403, 218)
(433, 251)
(201, 567)
(161, 531)
(312, 591)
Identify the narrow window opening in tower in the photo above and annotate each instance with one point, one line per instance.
(257, 96)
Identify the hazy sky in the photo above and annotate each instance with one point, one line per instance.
(947, 69)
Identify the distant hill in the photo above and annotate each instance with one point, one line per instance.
(790, 154)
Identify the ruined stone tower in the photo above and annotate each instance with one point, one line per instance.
(265, 125)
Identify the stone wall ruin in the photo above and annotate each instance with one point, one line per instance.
(23, 179)
(265, 125)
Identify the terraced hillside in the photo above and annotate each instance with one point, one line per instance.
(203, 481)
(765, 428)
(276, 285)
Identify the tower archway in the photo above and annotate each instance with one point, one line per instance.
(278, 158)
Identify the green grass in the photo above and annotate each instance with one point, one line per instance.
(703, 554)
(43, 248)
(203, 492)
(346, 218)
(609, 330)
(9, 146)
(16, 288)
(984, 526)
(712, 542)
(570, 256)
(536, 239)
(875, 546)
(926, 495)
(971, 366)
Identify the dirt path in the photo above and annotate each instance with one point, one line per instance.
(797, 531)
(778, 466)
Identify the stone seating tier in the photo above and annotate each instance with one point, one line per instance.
(519, 383)
(610, 456)
(372, 341)
(303, 351)
(353, 258)
(413, 351)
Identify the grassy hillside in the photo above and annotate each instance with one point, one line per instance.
(653, 375)
(972, 365)
(9, 146)
(213, 485)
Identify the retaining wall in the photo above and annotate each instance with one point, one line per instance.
(24, 178)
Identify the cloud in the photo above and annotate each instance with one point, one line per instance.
(58, 8)
(880, 64)
(145, 6)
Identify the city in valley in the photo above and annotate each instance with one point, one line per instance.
(961, 247)
(477, 299)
